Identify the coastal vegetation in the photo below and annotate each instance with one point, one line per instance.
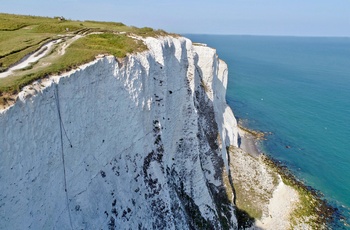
(21, 36)
(256, 134)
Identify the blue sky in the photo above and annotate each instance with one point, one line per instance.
(252, 17)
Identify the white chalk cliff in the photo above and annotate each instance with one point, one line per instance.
(132, 144)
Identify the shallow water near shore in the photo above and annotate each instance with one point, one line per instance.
(298, 89)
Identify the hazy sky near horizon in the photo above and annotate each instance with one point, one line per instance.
(251, 17)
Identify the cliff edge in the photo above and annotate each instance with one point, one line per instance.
(138, 143)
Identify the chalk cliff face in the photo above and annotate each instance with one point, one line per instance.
(132, 144)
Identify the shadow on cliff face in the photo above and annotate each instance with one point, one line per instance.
(244, 220)
(210, 132)
(179, 179)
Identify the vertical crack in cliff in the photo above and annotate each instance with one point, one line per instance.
(62, 152)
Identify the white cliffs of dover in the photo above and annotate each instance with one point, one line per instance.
(133, 144)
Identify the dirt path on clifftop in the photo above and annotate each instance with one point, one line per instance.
(43, 54)
(32, 58)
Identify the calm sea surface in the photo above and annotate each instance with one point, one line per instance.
(298, 89)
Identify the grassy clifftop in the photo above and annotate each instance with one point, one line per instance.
(78, 42)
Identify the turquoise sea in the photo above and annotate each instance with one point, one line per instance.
(297, 88)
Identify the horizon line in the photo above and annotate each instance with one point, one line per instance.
(270, 35)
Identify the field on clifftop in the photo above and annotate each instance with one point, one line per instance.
(76, 43)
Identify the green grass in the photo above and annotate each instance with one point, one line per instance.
(82, 51)
(22, 35)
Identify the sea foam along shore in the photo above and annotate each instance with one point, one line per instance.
(269, 198)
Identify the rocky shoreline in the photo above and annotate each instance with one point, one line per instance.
(269, 195)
